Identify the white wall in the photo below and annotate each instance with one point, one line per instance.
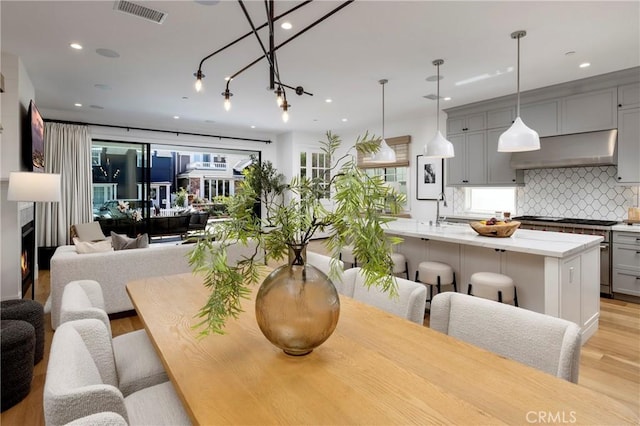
(15, 103)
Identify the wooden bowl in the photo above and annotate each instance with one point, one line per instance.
(501, 230)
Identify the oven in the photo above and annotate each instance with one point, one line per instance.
(579, 226)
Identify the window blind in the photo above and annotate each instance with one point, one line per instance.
(401, 147)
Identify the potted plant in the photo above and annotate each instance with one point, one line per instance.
(294, 213)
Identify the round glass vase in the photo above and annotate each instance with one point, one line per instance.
(297, 306)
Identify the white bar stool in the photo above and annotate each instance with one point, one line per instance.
(347, 256)
(400, 265)
(493, 286)
(435, 274)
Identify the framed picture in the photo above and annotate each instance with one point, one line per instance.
(430, 178)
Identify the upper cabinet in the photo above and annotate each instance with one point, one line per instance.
(543, 117)
(589, 111)
(629, 96)
(629, 146)
(469, 165)
(467, 123)
(501, 117)
(499, 171)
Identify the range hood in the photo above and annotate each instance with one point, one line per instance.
(575, 150)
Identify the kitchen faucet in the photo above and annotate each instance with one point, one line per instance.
(444, 202)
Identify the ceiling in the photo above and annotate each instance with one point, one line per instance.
(342, 58)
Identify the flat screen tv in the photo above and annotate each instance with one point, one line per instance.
(33, 140)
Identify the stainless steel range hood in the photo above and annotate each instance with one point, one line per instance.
(579, 149)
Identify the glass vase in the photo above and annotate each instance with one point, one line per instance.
(297, 306)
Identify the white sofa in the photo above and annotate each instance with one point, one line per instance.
(113, 270)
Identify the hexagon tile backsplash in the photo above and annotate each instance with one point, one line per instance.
(580, 192)
(577, 192)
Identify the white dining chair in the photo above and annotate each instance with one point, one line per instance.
(137, 363)
(82, 380)
(323, 262)
(409, 303)
(541, 341)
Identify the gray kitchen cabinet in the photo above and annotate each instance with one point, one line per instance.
(466, 123)
(629, 96)
(629, 146)
(469, 166)
(503, 117)
(543, 117)
(589, 111)
(499, 171)
(626, 263)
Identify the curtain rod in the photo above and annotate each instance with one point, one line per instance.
(177, 133)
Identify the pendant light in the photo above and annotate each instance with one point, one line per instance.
(518, 137)
(384, 154)
(438, 147)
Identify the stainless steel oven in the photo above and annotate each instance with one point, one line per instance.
(579, 226)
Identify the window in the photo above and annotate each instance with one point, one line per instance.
(395, 177)
(487, 201)
(317, 165)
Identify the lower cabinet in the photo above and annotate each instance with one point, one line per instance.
(626, 263)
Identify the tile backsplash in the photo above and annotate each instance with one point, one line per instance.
(580, 192)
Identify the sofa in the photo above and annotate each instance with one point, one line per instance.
(114, 269)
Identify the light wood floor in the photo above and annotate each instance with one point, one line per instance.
(610, 362)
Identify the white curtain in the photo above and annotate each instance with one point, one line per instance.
(68, 152)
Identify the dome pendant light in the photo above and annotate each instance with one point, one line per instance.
(438, 147)
(518, 137)
(385, 153)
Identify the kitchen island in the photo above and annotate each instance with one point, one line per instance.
(555, 273)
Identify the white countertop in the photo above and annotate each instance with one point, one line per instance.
(626, 228)
(543, 243)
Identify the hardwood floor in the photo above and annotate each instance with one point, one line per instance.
(610, 361)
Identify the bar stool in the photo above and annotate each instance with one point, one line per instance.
(400, 265)
(493, 286)
(435, 274)
(347, 256)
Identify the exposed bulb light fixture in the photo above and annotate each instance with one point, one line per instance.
(438, 147)
(227, 99)
(279, 98)
(384, 154)
(285, 111)
(518, 137)
(199, 76)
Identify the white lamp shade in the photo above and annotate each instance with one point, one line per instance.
(439, 147)
(32, 187)
(518, 138)
(384, 155)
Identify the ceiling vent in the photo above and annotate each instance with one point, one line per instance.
(143, 12)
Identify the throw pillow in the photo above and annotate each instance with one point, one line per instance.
(85, 247)
(89, 231)
(122, 242)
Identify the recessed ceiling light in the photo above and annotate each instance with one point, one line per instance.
(107, 53)
(102, 86)
(286, 25)
(569, 53)
(185, 97)
(96, 107)
(448, 98)
(176, 117)
(253, 127)
(344, 120)
(78, 104)
(76, 46)
(328, 100)
(585, 65)
(209, 121)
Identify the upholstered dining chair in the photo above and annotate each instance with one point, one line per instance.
(82, 380)
(409, 303)
(541, 341)
(322, 262)
(137, 363)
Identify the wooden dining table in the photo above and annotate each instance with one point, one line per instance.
(375, 369)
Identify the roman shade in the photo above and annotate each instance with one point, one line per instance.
(401, 146)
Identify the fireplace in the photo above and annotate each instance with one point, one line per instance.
(27, 257)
